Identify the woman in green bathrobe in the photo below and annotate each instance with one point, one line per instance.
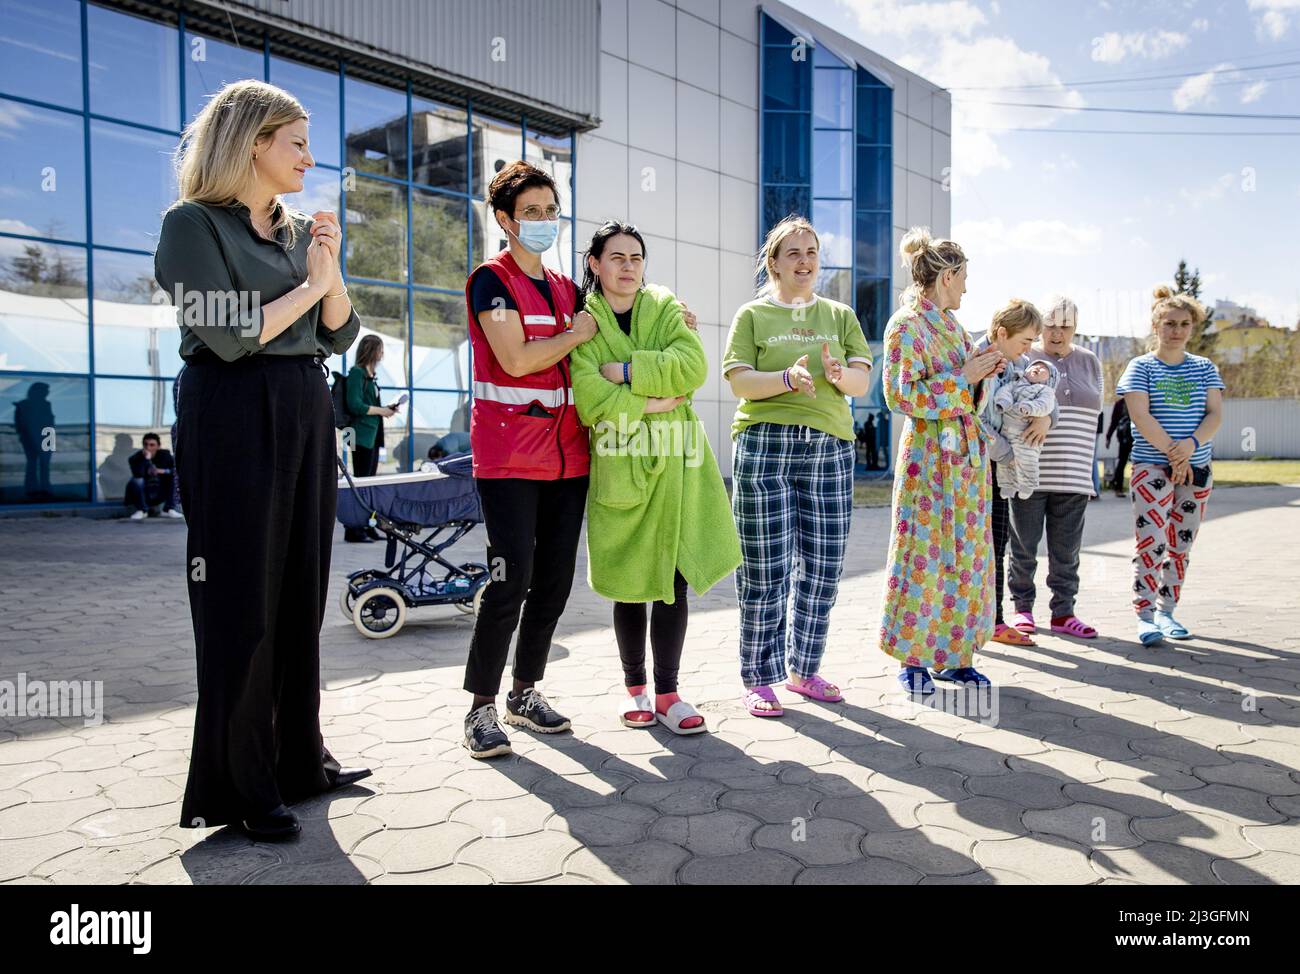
(658, 517)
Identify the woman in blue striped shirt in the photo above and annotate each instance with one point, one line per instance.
(1175, 401)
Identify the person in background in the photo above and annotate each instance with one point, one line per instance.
(657, 513)
(792, 356)
(1065, 482)
(34, 422)
(152, 475)
(1176, 401)
(255, 448)
(1015, 327)
(1121, 428)
(368, 416)
(1096, 449)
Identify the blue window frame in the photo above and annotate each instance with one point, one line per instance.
(102, 96)
(826, 153)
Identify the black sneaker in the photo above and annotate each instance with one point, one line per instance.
(484, 737)
(531, 710)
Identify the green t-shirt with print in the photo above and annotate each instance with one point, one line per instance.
(770, 337)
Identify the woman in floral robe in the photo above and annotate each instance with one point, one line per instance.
(938, 603)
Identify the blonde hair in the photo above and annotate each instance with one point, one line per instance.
(214, 160)
(767, 253)
(926, 258)
(1015, 316)
(1165, 298)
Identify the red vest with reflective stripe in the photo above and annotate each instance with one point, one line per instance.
(505, 441)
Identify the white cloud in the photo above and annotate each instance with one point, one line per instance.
(1113, 47)
(898, 17)
(1053, 237)
(981, 63)
(1253, 92)
(1196, 89)
(1199, 196)
(1273, 19)
(1200, 24)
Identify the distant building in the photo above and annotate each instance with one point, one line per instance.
(1239, 332)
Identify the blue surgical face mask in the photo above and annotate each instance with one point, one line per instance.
(537, 236)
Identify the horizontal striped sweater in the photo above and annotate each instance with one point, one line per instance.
(1066, 463)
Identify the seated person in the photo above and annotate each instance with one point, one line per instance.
(448, 445)
(152, 473)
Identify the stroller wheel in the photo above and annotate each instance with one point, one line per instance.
(347, 602)
(379, 613)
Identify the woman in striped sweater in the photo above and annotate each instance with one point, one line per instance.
(1065, 482)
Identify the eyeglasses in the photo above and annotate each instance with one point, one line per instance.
(541, 213)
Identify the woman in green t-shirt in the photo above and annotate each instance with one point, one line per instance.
(791, 359)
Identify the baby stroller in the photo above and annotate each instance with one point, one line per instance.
(442, 498)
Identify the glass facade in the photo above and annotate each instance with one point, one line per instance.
(92, 101)
(826, 133)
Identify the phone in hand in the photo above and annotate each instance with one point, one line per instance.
(400, 402)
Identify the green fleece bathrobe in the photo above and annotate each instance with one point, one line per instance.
(657, 503)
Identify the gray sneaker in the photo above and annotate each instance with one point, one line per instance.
(484, 737)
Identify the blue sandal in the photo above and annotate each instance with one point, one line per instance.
(1149, 633)
(965, 675)
(915, 681)
(1170, 627)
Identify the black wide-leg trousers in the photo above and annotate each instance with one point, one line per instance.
(256, 454)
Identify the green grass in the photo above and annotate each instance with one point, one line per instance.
(1255, 473)
(873, 493)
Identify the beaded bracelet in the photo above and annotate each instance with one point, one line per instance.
(785, 377)
(627, 378)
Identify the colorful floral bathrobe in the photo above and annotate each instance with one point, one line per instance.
(938, 604)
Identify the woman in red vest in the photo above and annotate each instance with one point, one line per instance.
(530, 455)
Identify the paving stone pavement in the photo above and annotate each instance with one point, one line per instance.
(1107, 762)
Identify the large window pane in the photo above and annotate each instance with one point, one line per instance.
(125, 410)
(132, 183)
(875, 180)
(42, 172)
(875, 114)
(873, 306)
(376, 218)
(782, 201)
(487, 237)
(439, 145)
(134, 73)
(376, 123)
(833, 98)
(434, 415)
(40, 50)
(44, 439)
(833, 163)
(786, 149)
(555, 156)
(382, 310)
(496, 145)
(836, 284)
(211, 64)
(787, 81)
(320, 191)
(43, 325)
(319, 93)
(834, 222)
(875, 244)
(135, 326)
(438, 230)
(440, 358)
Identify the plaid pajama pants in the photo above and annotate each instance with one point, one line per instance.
(792, 499)
(1166, 519)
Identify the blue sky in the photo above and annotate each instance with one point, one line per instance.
(1104, 217)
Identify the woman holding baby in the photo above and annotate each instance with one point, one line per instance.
(1064, 484)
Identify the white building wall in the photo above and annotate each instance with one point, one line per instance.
(676, 154)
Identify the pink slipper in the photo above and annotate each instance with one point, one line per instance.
(1024, 622)
(815, 688)
(753, 696)
(1072, 626)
